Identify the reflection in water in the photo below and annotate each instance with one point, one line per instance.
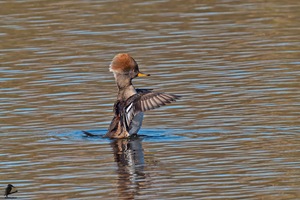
(236, 64)
(129, 155)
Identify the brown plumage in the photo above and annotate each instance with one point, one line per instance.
(131, 103)
(122, 63)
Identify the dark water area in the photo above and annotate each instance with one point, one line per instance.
(234, 134)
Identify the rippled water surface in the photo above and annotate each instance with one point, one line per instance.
(234, 134)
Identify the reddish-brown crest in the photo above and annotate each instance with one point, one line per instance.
(122, 62)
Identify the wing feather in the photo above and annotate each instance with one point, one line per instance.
(147, 104)
(167, 98)
(143, 101)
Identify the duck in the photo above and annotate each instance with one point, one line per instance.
(131, 103)
(10, 189)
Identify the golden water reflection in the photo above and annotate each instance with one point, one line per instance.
(233, 135)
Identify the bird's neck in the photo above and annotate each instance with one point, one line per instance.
(125, 87)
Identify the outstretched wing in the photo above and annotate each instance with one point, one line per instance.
(145, 100)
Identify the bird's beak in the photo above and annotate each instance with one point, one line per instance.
(141, 74)
(13, 189)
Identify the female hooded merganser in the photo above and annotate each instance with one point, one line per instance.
(131, 102)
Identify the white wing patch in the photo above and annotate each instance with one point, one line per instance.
(129, 107)
(129, 114)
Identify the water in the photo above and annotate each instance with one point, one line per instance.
(233, 135)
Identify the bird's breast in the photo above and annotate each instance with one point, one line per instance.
(136, 123)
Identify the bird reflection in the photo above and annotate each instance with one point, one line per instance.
(129, 155)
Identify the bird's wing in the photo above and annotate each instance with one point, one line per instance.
(145, 100)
